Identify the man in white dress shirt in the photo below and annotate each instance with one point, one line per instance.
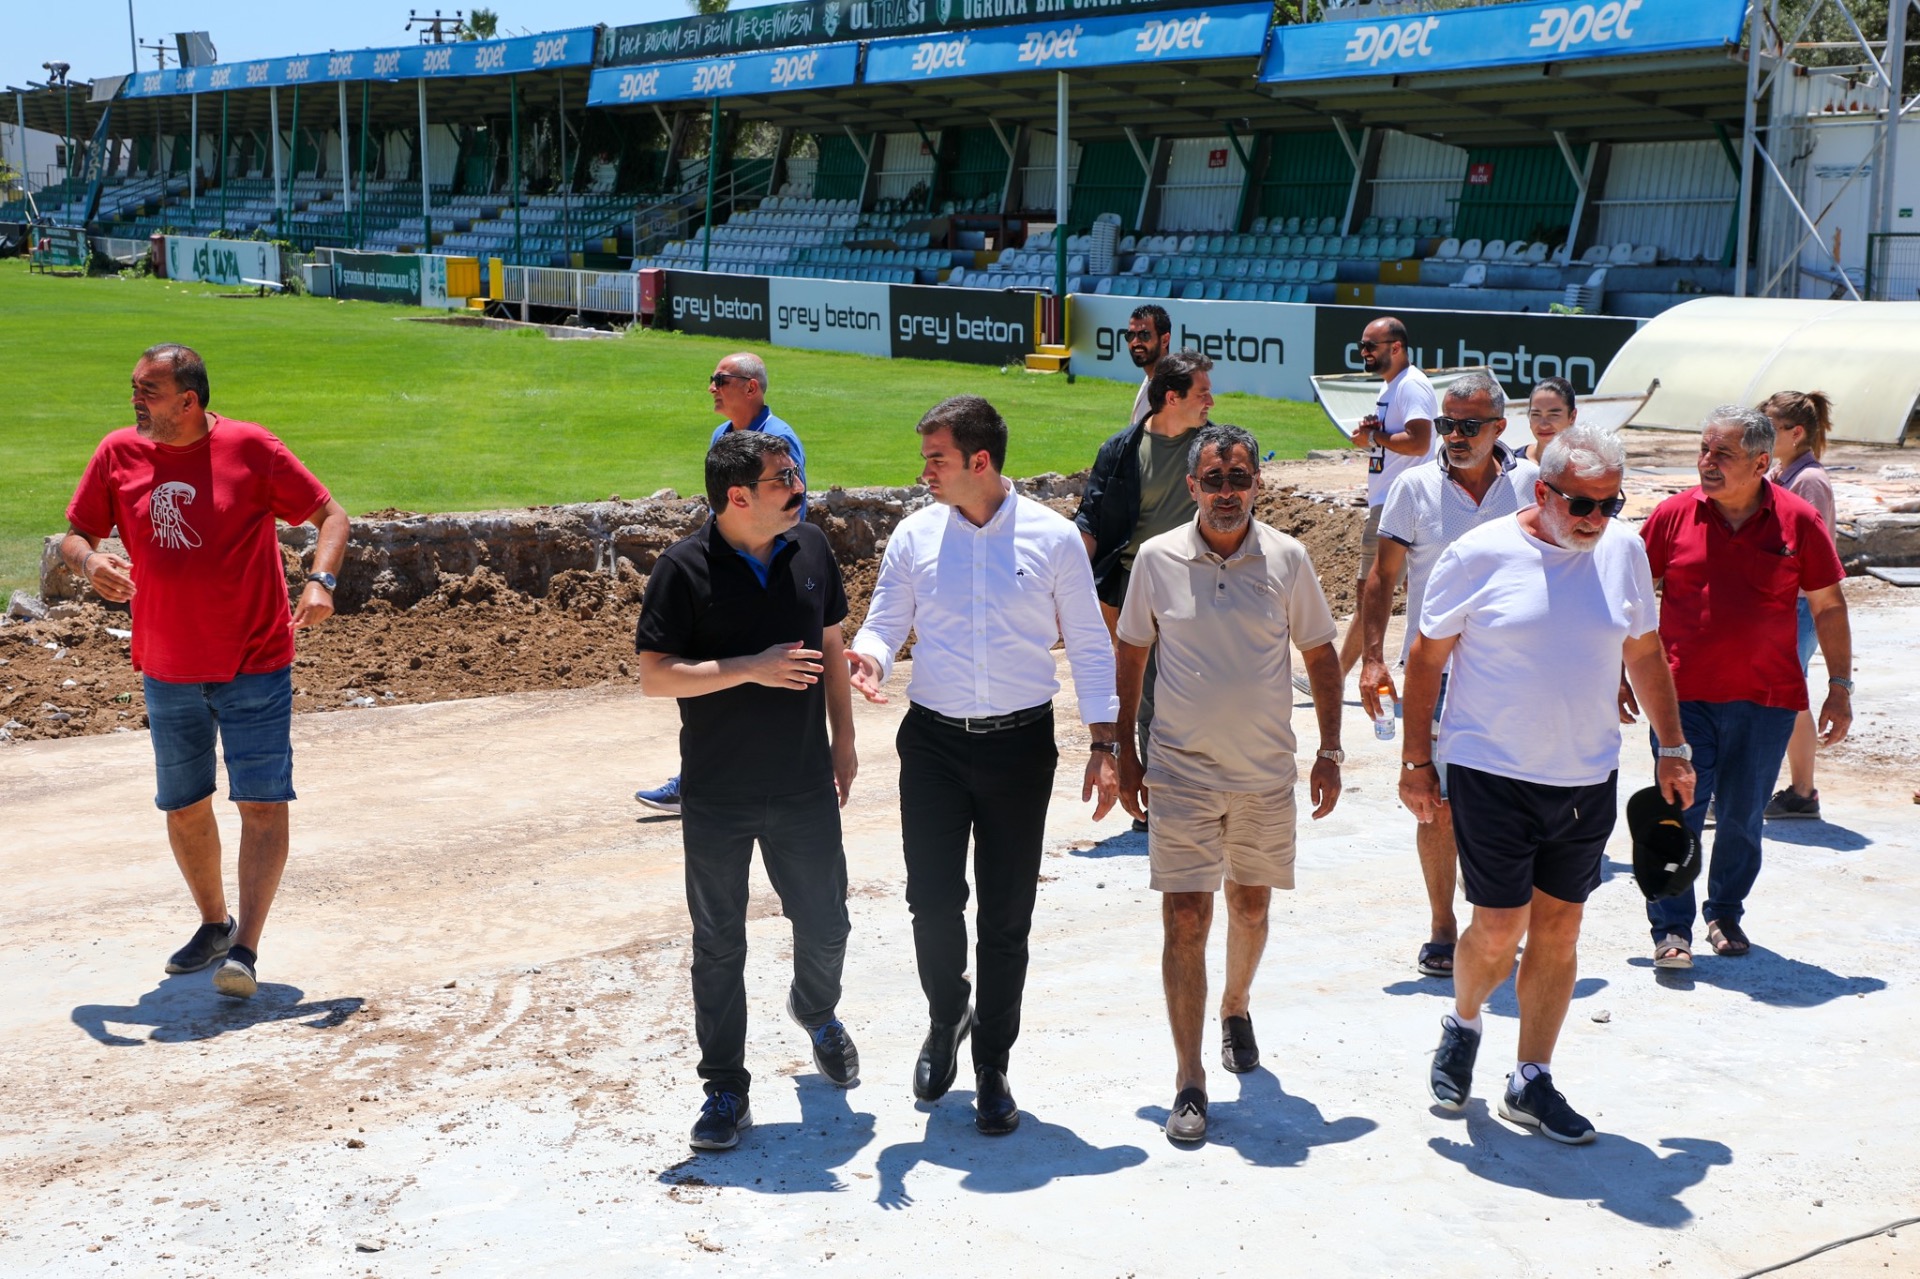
(987, 581)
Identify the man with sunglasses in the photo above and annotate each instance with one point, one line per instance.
(741, 623)
(1397, 435)
(739, 390)
(1475, 481)
(1733, 556)
(1149, 336)
(1538, 614)
(1221, 599)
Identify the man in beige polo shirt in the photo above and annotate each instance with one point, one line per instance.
(1223, 597)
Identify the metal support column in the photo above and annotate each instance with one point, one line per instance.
(193, 157)
(566, 174)
(1743, 210)
(273, 127)
(513, 114)
(346, 173)
(223, 159)
(426, 180)
(1061, 206)
(713, 163)
(1583, 185)
(366, 96)
(293, 165)
(1896, 96)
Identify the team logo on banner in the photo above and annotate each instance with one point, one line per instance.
(830, 18)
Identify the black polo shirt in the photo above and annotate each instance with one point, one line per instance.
(703, 602)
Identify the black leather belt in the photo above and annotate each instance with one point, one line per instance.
(987, 723)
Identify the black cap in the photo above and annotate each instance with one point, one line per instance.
(1666, 854)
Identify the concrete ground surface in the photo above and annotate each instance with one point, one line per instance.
(472, 1052)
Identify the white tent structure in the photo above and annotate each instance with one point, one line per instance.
(1715, 351)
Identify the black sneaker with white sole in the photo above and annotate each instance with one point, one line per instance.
(1451, 1080)
(722, 1119)
(208, 943)
(834, 1055)
(236, 978)
(1540, 1105)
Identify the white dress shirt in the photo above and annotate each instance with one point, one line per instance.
(986, 606)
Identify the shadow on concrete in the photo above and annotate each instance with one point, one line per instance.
(1126, 844)
(1766, 977)
(1030, 1157)
(185, 1007)
(1265, 1125)
(1503, 1002)
(1620, 1175)
(789, 1158)
(1816, 834)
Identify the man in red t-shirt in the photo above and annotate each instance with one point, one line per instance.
(1732, 557)
(195, 497)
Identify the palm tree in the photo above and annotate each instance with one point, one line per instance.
(706, 7)
(482, 24)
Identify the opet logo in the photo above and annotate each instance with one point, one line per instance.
(387, 63)
(437, 60)
(297, 69)
(1374, 45)
(712, 77)
(1058, 45)
(490, 58)
(938, 55)
(1157, 38)
(549, 51)
(800, 68)
(1560, 28)
(639, 84)
(339, 66)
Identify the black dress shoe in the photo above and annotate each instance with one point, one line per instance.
(995, 1111)
(939, 1060)
(1239, 1052)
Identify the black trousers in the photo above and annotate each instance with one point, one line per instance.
(994, 788)
(800, 847)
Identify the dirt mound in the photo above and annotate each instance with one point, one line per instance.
(442, 607)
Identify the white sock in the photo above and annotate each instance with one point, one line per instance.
(1524, 1073)
(1455, 1019)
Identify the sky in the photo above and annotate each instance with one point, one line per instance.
(91, 35)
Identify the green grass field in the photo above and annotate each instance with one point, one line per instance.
(426, 417)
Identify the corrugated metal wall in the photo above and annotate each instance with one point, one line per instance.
(1198, 196)
(905, 163)
(1417, 178)
(1677, 195)
(1308, 176)
(800, 174)
(840, 169)
(1529, 196)
(973, 164)
(1109, 180)
(1036, 175)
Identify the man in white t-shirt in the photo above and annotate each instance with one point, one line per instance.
(1538, 613)
(1474, 481)
(1397, 435)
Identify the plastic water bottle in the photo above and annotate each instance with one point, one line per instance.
(1383, 722)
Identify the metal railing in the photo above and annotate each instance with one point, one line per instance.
(1893, 266)
(556, 288)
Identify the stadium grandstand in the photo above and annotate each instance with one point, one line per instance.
(1410, 154)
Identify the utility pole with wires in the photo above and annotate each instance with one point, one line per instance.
(437, 29)
(159, 49)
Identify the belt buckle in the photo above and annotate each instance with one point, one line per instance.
(986, 725)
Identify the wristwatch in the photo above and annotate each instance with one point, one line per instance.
(327, 580)
(1682, 751)
(1843, 683)
(1107, 748)
(1414, 768)
(1337, 755)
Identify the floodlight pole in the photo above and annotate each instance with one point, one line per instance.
(133, 41)
(713, 160)
(1060, 187)
(426, 189)
(1743, 230)
(513, 113)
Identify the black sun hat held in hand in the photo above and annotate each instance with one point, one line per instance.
(1666, 854)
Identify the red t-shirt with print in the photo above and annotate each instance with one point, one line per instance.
(210, 595)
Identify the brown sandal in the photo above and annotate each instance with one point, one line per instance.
(1672, 952)
(1727, 938)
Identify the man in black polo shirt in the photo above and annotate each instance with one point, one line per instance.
(741, 623)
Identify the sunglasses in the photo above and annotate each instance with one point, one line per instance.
(786, 477)
(1468, 427)
(721, 379)
(1136, 336)
(1581, 507)
(1375, 346)
(1214, 481)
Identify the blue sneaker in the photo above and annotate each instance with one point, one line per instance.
(722, 1119)
(834, 1055)
(665, 797)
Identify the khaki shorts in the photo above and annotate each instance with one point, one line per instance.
(1197, 836)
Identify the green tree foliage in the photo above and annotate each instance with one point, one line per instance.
(705, 7)
(482, 24)
(1829, 25)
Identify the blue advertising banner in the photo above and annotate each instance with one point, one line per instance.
(1235, 31)
(412, 62)
(822, 67)
(1498, 36)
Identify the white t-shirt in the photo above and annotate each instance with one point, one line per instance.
(1142, 406)
(1427, 511)
(1408, 398)
(1536, 671)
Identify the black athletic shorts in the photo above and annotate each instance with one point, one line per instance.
(1517, 836)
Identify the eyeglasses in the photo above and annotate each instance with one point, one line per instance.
(1581, 507)
(1375, 346)
(1214, 481)
(1136, 336)
(1468, 427)
(721, 379)
(786, 477)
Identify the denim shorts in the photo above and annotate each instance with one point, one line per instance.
(253, 717)
(1807, 637)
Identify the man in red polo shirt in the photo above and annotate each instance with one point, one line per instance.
(194, 497)
(1732, 557)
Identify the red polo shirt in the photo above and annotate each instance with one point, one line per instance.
(210, 595)
(1727, 614)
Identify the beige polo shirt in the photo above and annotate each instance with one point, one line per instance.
(1223, 708)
